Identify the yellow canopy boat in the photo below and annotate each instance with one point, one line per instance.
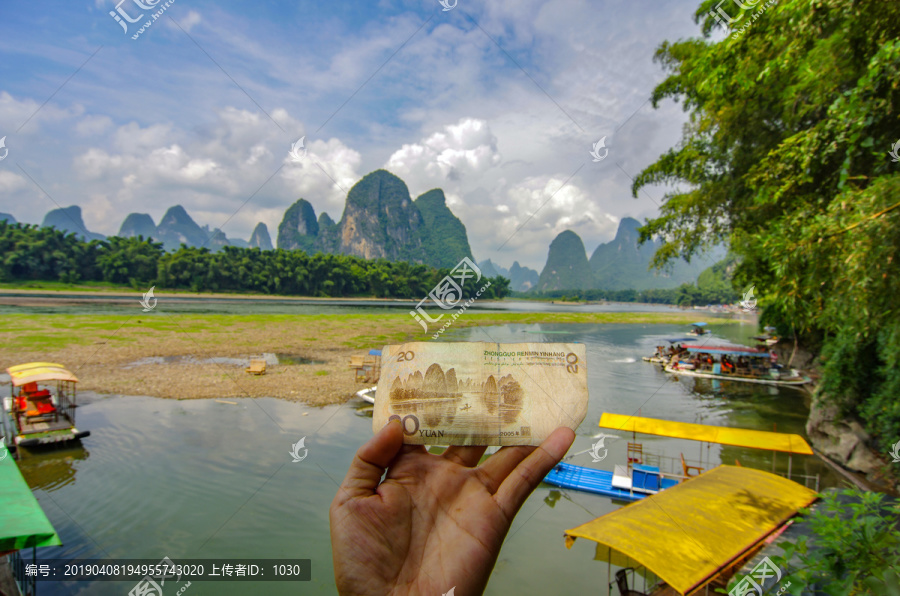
(694, 536)
(41, 407)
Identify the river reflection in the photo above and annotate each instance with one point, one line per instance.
(213, 479)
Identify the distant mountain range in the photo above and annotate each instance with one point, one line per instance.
(381, 220)
(521, 279)
(69, 219)
(620, 264)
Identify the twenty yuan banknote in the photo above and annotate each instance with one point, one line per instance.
(479, 393)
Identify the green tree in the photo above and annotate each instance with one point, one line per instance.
(854, 547)
(786, 159)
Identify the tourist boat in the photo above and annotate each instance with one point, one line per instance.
(638, 480)
(41, 408)
(367, 394)
(663, 354)
(733, 363)
(769, 338)
(694, 538)
(24, 527)
(698, 329)
(625, 483)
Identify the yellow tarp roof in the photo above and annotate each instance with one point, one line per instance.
(21, 367)
(687, 533)
(739, 437)
(35, 372)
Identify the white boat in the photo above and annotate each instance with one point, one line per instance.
(655, 359)
(698, 328)
(367, 394)
(756, 368)
(663, 354)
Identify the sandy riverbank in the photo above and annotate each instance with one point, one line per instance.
(101, 349)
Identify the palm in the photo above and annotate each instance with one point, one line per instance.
(436, 521)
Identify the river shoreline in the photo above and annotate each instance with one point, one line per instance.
(169, 355)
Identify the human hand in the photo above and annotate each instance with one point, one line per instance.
(436, 521)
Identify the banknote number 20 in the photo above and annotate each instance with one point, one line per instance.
(406, 356)
(572, 360)
(411, 417)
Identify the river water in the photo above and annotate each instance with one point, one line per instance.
(191, 479)
(90, 304)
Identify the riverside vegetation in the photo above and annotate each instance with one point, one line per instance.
(786, 158)
(34, 253)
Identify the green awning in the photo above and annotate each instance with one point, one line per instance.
(22, 521)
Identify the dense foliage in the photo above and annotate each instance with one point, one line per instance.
(855, 548)
(786, 159)
(33, 253)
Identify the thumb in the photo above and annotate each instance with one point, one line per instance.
(370, 462)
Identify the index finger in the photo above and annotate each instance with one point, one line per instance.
(522, 481)
(370, 462)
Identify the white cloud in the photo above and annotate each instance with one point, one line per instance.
(10, 182)
(457, 154)
(150, 125)
(187, 23)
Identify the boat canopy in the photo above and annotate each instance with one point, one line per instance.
(739, 437)
(730, 350)
(687, 534)
(22, 521)
(700, 324)
(36, 372)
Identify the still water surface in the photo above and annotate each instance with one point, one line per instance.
(92, 304)
(206, 479)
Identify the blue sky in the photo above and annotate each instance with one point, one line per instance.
(497, 103)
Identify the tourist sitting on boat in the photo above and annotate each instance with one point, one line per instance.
(727, 365)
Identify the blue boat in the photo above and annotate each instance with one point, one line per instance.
(643, 480)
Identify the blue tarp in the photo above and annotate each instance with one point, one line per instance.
(731, 351)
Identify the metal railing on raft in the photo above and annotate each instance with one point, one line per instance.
(674, 469)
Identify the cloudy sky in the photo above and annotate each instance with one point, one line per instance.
(497, 102)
